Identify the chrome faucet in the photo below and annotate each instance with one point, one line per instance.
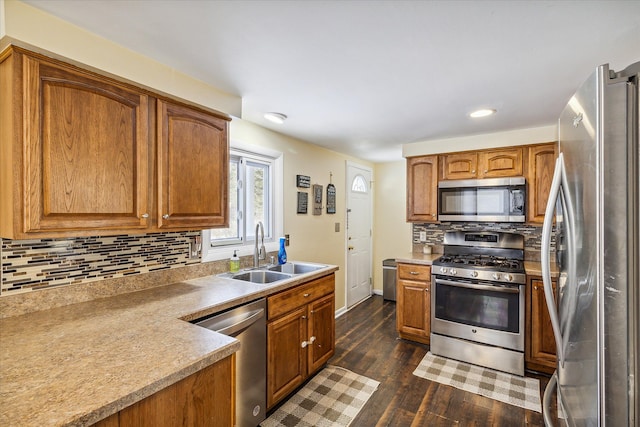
(262, 253)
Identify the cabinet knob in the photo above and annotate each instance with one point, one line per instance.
(145, 215)
(473, 171)
(306, 295)
(303, 317)
(304, 344)
(486, 171)
(426, 289)
(311, 340)
(165, 216)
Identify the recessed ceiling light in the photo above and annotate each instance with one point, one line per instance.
(278, 118)
(482, 113)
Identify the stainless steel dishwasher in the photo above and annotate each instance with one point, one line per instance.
(246, 323)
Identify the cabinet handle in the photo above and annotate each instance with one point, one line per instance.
(145, 215)
(304, 344)
(306, 295)
(415, 273)
(311, 312)
(311, 340)
(165, 216)
(535, 287)
(303, 317)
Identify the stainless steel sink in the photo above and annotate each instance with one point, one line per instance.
(261, 276)
(297, 268)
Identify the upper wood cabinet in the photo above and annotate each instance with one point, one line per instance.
(193, 155)
(540, 166)
(422, 189)
(483, 164)
(78, 150)
(499, 163)
(459, 165)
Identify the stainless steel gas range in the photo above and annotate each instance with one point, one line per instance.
(477, 300)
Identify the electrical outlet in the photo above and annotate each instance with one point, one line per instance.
(286, 240)
(423, 236)
(195, 247)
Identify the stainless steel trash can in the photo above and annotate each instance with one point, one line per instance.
(389, 268)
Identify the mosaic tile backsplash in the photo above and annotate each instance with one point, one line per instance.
(41, 264)
(532, 234)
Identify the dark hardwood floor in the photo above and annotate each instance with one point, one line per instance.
(367, 343)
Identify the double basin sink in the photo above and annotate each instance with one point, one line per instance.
(275, 273)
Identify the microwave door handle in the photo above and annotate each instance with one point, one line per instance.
(556, 183)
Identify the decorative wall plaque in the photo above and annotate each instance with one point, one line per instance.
(303, 181)
(331, 199)
(303, 199)
(317, 199)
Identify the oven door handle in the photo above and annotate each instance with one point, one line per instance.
(494, 288)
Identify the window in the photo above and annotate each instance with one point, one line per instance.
(359, 185)
(255, 195)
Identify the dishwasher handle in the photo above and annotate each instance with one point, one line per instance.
(240, 323)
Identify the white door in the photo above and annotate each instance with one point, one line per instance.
(359, 214)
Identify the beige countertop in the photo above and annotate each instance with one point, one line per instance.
(78, 364)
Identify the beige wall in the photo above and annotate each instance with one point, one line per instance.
(526, 136)
(313, 237)
(28, 26)
(392, 236)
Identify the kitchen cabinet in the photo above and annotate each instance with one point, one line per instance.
(422, 189)
(201, 399)
(413, 304)
(78, 154)
(193, 158)
(493, 163)
(541, 160)
(459, 165)
(540, 345)
(300, 335)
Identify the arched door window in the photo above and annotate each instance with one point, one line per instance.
(359, 184)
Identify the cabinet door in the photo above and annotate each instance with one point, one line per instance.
(286, 356)
(540, 166)
(321, 332)
(86, 158)
(413, 313)
(193, 163)
(422, 188)
(499, 163)
(460, 166)
(542, 345)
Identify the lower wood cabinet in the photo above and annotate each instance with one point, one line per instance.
(300, 335)
(540, 345)
(413, 302)
(201, 399)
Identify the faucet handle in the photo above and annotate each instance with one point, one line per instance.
(263, 252)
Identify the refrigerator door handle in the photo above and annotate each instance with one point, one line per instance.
(554, 193)
(546, 400)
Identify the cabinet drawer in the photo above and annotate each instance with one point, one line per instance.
(414, 272)
(291, 299)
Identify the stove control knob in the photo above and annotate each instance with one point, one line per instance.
(453, 272)
(443, 270)
(508, 277)
(496, 276)
(473, 274)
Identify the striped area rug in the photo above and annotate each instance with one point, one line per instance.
(332, 398)
(507, 388)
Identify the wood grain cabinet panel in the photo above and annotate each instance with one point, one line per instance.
(460, 165)
(78, 154)
(422, 189)
(205, 399)
(300, 339)
(540, 354)
(500, 163)
(413, 303)
(540, 167)
(193, 162)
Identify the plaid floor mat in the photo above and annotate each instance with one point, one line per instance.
(507, 388)
(332, 398)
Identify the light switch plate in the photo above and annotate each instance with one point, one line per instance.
(337, 227)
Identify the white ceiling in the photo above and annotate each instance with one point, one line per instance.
(365, 77)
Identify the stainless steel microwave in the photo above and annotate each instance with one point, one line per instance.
(490, 200)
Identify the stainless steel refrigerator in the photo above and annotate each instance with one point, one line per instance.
(594, 311)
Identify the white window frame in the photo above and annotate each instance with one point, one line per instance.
(215, 253)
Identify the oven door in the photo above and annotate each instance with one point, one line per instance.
(479, 311)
